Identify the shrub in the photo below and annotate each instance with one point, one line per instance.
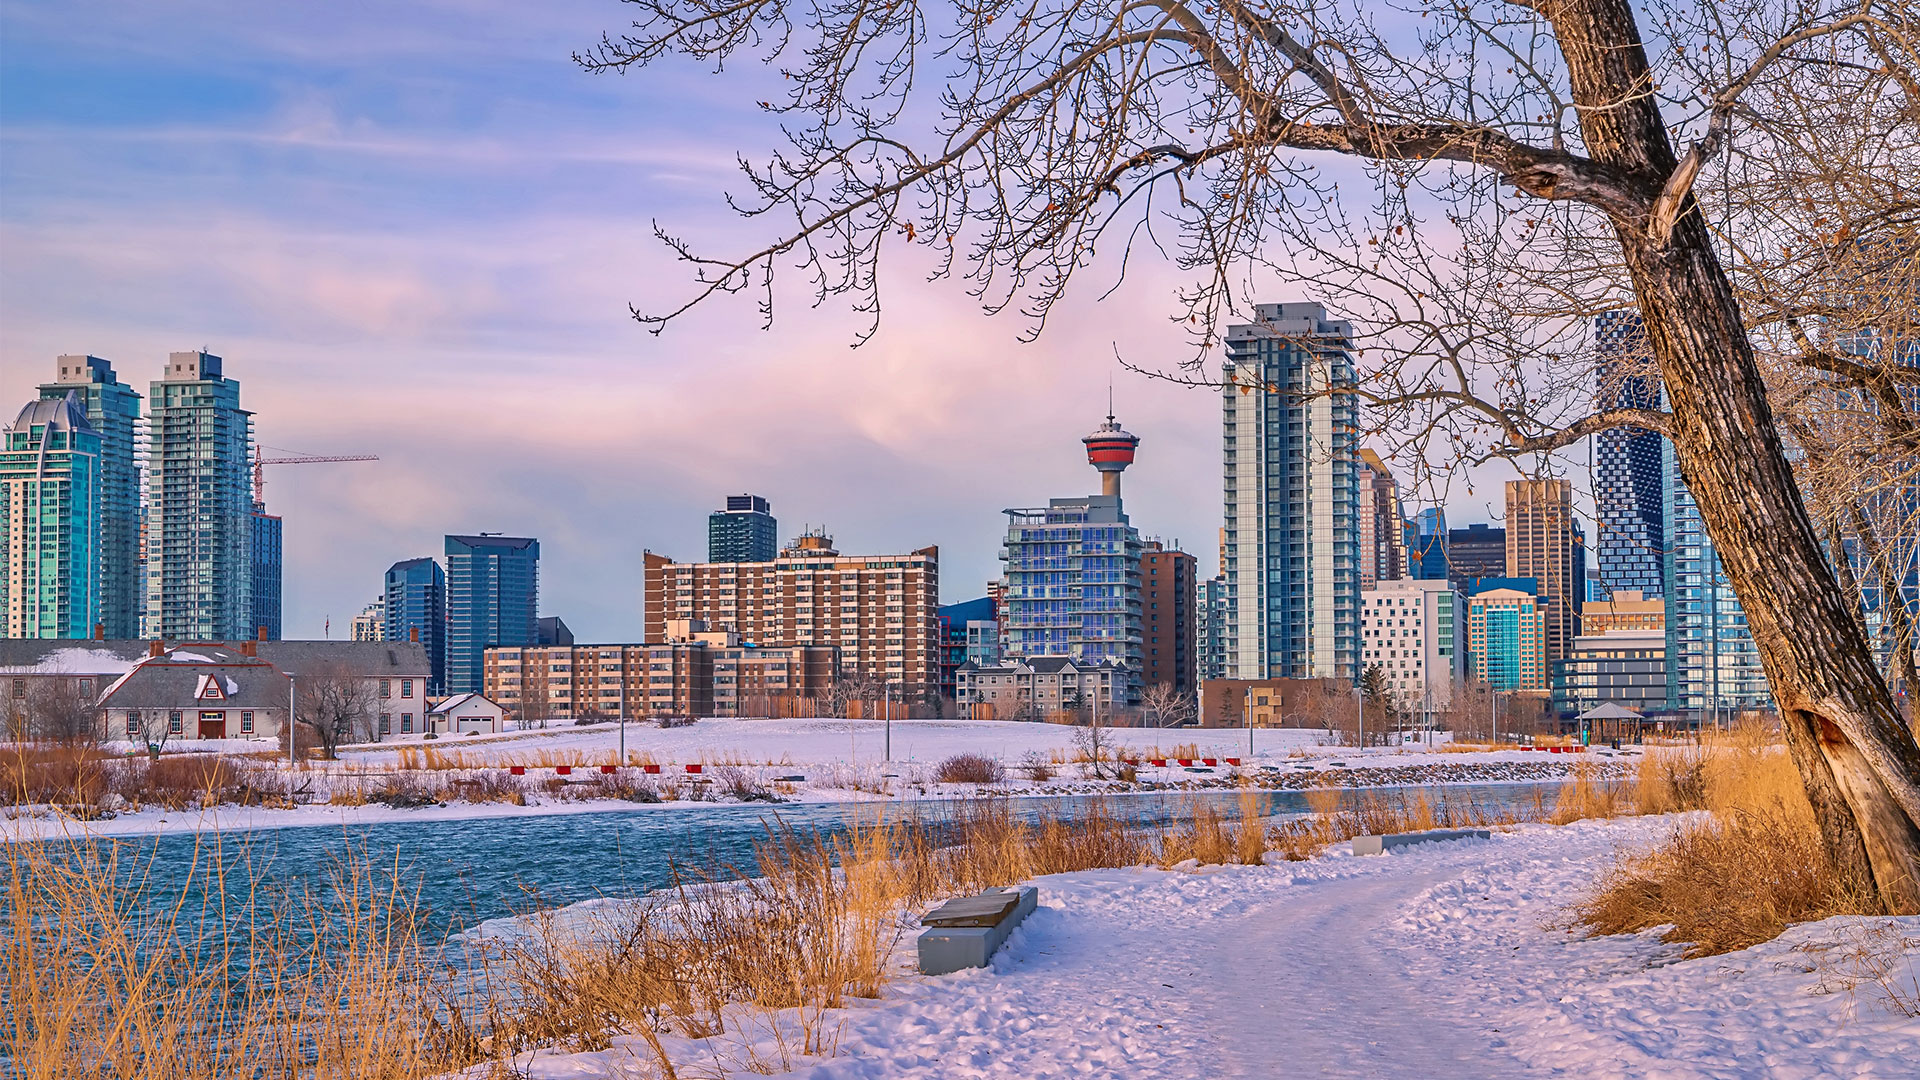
(1038, 769)
(741, 783)
(970, 769)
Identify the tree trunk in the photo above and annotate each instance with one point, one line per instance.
(1860, 764)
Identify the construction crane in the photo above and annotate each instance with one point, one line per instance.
(260, 462)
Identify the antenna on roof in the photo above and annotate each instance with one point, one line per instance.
(483, 533)
(1109, 395)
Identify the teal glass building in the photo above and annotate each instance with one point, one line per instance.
(1073, 585)
(200, 515)
(113, 410)
(50, 522)
(1713, 667)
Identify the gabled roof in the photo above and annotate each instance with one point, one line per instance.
(80, 656)
(460, 701)
(177, 678)
(1610, 711)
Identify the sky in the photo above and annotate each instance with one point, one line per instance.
(415, 230)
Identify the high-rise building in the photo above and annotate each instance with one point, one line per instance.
(1383, 530)
(264, 593)
(1168, 619)
(414, 608)
(1292, 541)
(493, 589)
(1476, 551)
(50, 471)
(371, 623)
(1626, 461)
(744, 532)
(1507, 640)
(1072, 585)
(1415, 631)
(1543, 543)
(961, 635)
(1210, 629)
(200, 526)
(1625, 667)
(1624, 610)
(1427, 551)
(1713, 666)
(113, 409)
(880, 611)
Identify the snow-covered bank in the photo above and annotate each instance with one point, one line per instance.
(1449, 960)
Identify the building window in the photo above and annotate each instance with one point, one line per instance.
(386, 688)
(406, 723)
(133, 723)
(174, 722)
(246, 721)
(386, 724)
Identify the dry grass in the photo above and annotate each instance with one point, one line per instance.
(970, 769)
(1737, 876)
(106, 977)
(1875, 960)
(1587, 795)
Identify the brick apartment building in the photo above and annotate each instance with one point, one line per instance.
(700, 674)
(1168, 623)
(880, 612)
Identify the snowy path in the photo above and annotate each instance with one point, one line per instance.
(1444, 961)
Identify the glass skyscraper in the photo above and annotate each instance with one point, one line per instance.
(1292, 539)
(113, 409)
(744, 532)
(1073, 585)
(414, 604)
(200, 521)
(1713, 668)
(493, 588)
(264, 593)
(50, 522)
(1628, 489)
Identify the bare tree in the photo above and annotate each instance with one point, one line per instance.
(63, 709)
(1470, 183)
(332, 708)
(1166, 706)
(848, 688)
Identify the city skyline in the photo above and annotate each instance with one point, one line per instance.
(361, 253)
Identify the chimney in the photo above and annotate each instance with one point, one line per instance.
(413, 634)
(156, 647)
(247, 648)
(259, 635)
(99, 631)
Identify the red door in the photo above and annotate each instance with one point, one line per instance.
(213, 725)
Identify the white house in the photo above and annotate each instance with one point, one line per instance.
(466, 714)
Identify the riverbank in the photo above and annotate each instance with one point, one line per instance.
(599, 768)
(1446, 960)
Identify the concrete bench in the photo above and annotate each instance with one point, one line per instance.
(1376, 845)
(965, 933)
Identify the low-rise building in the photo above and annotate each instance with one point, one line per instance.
(1043, 688)
(197, 692)
(697, 673)
(467, 714)
(1626, 668)
(1272, 702)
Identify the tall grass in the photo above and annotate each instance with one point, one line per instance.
(1737, 875)
(106, 976)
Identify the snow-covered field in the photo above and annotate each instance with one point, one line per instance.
(1449, 960)
(808, 761)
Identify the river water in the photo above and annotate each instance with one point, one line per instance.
(469, 871)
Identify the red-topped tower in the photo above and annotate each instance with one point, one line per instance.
(1110, 450)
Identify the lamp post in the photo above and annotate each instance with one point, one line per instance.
(1360, 713)
(886, 712)
(293, 728)
(1246, 701)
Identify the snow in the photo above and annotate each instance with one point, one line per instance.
(76, 661)
(1436, 961)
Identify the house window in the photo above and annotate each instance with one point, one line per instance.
(406, 688)
(406, 723)
(19, 688)
(86, 686)
(133, 723)
(386, 688)
(386, 724)
(174, 722)
(246, 721)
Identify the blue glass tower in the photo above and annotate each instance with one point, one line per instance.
(265, 592)
(1628, 487)
(200, 525)
(1713, 668)
(744, 532)
(416, 604)
(493, 588)
(1427, 550)
(1073, 584)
